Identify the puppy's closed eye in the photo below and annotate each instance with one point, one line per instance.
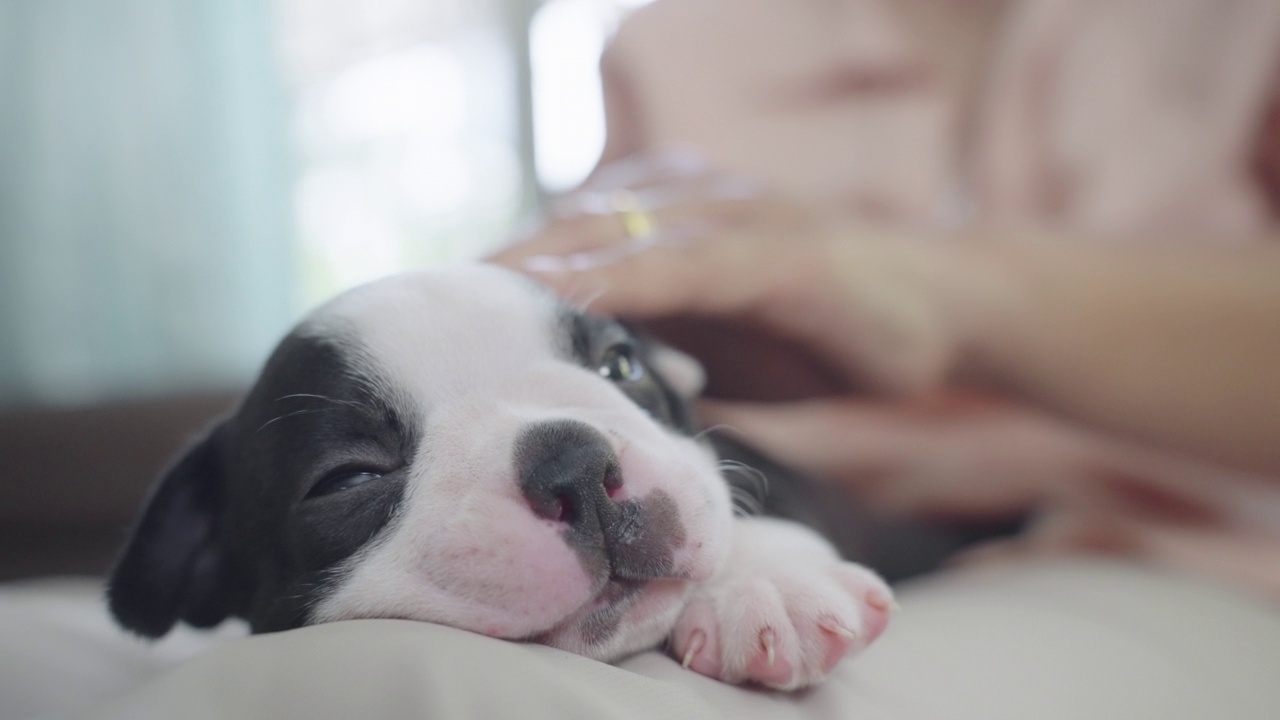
(343, 479)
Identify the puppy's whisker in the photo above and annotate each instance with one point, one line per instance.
(304, 411)
(744, 470)
(744, 503)
(352, 403)
(758, 480)
(721, 428)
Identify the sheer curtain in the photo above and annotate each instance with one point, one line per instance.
(180, 179)
(145, 232)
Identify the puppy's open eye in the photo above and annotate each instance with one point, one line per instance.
(342, 480)
(620, 364)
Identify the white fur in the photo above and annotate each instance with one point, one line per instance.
(470, 353)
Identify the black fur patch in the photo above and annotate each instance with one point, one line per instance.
(230, 529)
(587, 338)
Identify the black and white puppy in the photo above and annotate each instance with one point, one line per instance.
(460, 447)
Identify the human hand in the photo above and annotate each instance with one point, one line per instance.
(797, 314)
(956, 455)
(745, 273)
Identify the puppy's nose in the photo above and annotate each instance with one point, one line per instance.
(567, 470)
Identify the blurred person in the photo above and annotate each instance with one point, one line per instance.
(1144, 123)
(1177, 351)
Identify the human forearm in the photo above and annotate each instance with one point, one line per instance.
(1177, 347)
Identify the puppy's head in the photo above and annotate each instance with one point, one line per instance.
(449, 446)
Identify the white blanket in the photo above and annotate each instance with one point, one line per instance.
(1081, 640)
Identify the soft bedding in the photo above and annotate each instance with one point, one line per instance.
(1089, 639)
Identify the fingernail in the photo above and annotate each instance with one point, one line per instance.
(573, 262)
(583, 202)
(600, 257)
(544, 264)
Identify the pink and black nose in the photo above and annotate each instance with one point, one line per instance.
(567, 470)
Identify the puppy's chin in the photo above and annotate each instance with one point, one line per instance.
(624, 618)
(627, 616)
(620, 616)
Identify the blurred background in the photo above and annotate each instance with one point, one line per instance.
(181, 179)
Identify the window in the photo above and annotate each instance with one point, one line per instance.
(182, 180)
(426, 130)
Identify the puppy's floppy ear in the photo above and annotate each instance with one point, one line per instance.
(682, 372)
(173, 567)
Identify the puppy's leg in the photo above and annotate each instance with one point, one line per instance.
(784, 610)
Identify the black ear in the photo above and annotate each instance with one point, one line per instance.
(173, 567)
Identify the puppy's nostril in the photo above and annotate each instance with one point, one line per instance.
(613, 477)
(560, 508)
(613, 481)
(567, 471)
(563, 497)
(566, 513)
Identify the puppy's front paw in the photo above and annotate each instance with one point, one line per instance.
(784, 611)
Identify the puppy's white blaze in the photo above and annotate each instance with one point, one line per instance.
(473, 356)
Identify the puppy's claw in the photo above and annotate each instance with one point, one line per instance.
(836, 628)
(695, 644)
(766, 640)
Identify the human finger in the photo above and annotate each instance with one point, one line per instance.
(693, 270)
(818, 436)
(872, 449)
(596, 217)
(750, 273)
(656, 194)
(779, 369)
(615, 233)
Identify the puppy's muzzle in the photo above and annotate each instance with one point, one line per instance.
(569, 473)
(567, 470)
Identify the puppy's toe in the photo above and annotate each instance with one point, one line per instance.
(696, 639)
(874, 598)
(760, 642)
(783, 632)
(783, 613)
(770, 662)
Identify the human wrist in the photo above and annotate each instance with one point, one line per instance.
(986, 296)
